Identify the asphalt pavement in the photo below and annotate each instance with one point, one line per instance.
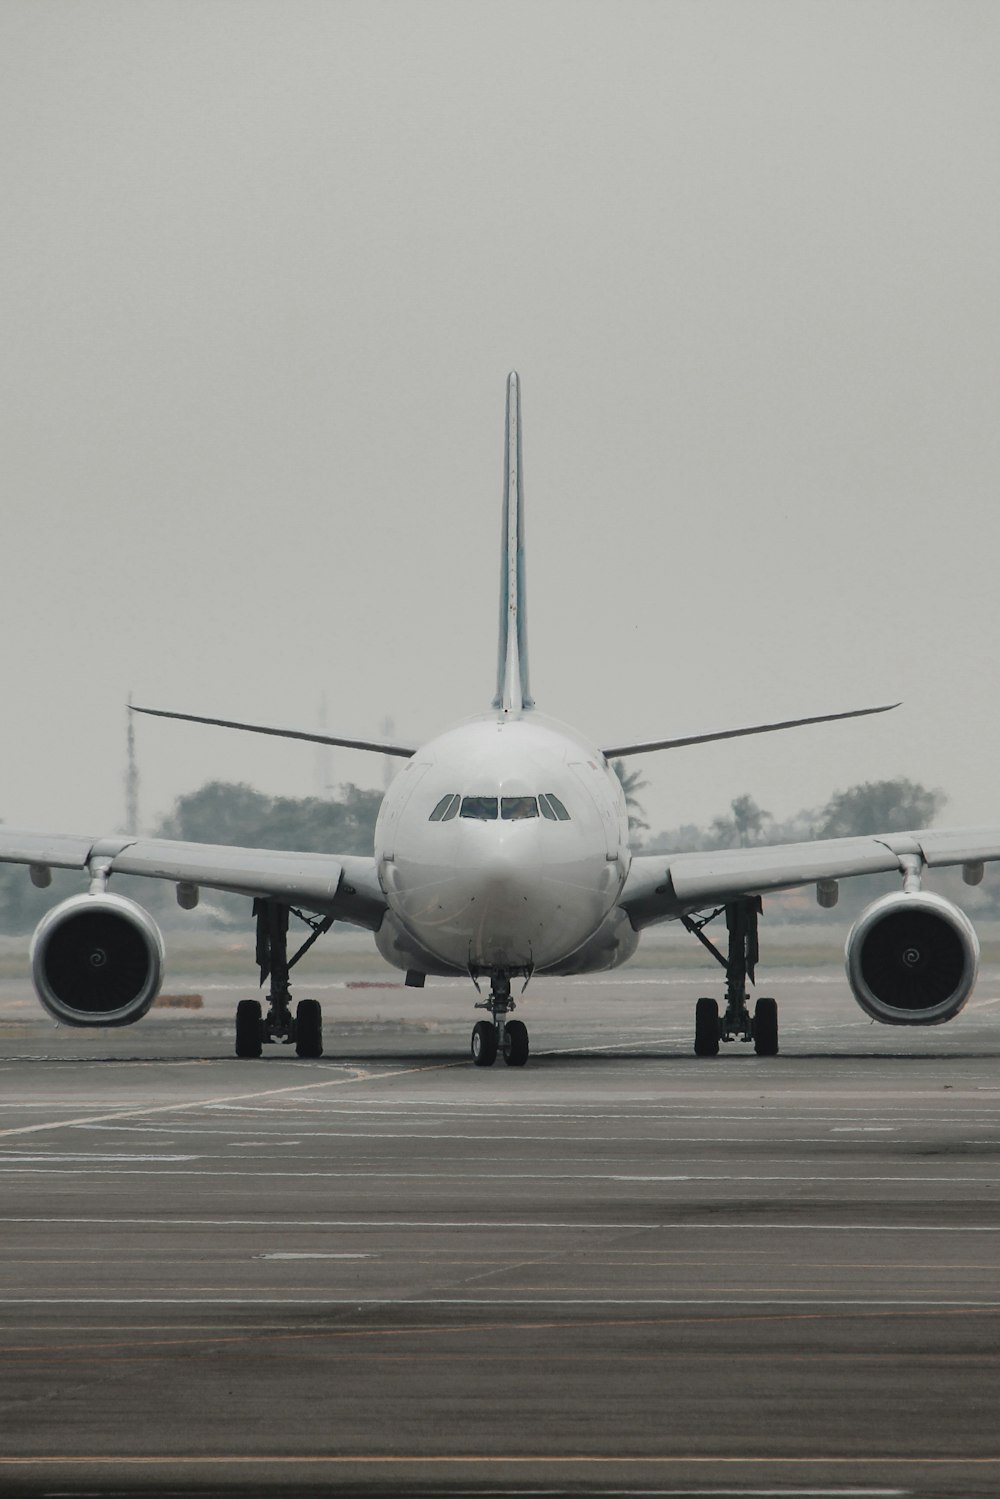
(619, 1270)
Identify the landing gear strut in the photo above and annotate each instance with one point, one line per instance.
(740, 965)
(253, 1027)
(508, 1037)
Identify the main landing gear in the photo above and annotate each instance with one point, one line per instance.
(508, 1037)
(253, 1027)
(709, 1027)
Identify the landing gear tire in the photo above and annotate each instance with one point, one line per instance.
(515, 1043)
(484, 1043)
(706, 1028)
(308, 1028)
(765, 1028)
(249, 1030)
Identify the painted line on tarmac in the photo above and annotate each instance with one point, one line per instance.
(229, 1098)
(17, 1168)
(699, 1493)
(241, 1459)
(389, 1302)
(495, 1225)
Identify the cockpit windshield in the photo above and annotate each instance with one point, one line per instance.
(514, 808)
(508, 808)
(480, 808)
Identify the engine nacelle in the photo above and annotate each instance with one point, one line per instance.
(97, 960)
(912, 959)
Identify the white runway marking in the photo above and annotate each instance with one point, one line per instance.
(522, 1303)
(498, 1225)
(320, 1256)
(229, 1098)
(16, 1158)
(915, 1179)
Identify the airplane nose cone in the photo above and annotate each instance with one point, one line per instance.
(504, 885)
(512, 906)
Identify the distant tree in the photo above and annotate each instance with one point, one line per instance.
(234, 813)
(632, 783)
(743, 827)
(879, 807)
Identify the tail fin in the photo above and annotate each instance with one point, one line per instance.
(513, 693)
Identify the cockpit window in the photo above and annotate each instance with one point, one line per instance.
(514, 808)
(481, 808)
(552, 807)
(446, 808)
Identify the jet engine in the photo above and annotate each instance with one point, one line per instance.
(912, 959)
(97, 960)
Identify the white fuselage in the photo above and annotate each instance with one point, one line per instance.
(503, 847)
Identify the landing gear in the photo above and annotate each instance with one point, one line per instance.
(515, 1043)
(249, 1029)
(253, 1028)
(308, 1028)
(508, 1037)
(484, 1043)
(765, 1028)
(706, 1028)
(740, 964)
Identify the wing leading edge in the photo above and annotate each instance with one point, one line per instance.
(659, 887)
(344, 886)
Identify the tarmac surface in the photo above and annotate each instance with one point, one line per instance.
(621, 1270)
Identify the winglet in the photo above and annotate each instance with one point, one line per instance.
(513, 694)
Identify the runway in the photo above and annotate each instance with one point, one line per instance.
(620, 1270)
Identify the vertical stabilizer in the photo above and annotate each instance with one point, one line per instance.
(513, 693)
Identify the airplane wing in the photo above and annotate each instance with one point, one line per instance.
(344, 886)
(661, 886)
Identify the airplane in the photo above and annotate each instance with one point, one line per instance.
(501, 852)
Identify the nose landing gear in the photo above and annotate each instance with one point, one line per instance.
(508, 1037)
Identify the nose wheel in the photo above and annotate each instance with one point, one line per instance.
(508, 1038)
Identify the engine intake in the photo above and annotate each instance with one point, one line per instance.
(97, 960)
(912, 959)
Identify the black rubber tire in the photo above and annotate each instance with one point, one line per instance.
(706, 1028)
(484, 1043)
(765, 1028)
(515, 1043)
(249, 1028)
(308, 1028)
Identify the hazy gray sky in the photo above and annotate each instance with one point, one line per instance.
(264, 269)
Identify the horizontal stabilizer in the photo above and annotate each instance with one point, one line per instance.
(762, 728)
(376, 746)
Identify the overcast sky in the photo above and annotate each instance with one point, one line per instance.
(264, 269)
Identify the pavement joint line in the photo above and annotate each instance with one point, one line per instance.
(231, 1098)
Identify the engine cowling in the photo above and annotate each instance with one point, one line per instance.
(97, 960)
(912, 959)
